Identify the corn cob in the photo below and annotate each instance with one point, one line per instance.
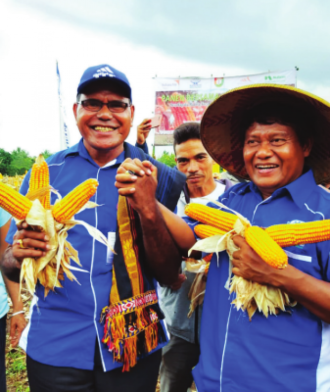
(66, 208)
(13, 202)
(211, 216)
(266, 247)
(204, 231)
(300, 233)
(40, 179)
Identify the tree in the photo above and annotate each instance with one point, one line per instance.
(167, 159)
(5, 161)
(46, 154)
(21, 162)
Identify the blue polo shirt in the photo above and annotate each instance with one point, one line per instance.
(284, 353)
(65, 325)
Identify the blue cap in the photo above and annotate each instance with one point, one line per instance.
(107, 76)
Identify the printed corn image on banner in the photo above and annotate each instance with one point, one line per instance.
(184, 99)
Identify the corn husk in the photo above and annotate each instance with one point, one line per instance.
(51, 268)
(250, 296)
(197, 289)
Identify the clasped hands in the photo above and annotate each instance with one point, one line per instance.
(138, 182)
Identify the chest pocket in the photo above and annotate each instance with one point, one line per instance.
(302, 257)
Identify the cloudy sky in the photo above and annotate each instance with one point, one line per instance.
(144, 38)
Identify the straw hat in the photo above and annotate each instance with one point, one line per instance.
(220, 131)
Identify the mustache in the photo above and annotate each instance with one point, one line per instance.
(194, 175)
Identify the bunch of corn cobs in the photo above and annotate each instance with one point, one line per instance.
(35, 209)
(220, 226)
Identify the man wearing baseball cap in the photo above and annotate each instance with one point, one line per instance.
(104, 333)
(277, 137)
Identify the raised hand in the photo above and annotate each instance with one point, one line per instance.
(143, 130)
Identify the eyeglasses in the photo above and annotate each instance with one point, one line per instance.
(95, 105)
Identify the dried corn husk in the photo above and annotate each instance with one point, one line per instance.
(50, 269)
(197, 289)
(250, 296)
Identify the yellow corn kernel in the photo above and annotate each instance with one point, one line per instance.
(300, 233)
(205, 231)
(211, 216)
(40, 179)
(66, 208)
(13, 202)
(266, 247)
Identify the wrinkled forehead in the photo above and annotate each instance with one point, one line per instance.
(190, 148)
(105, 95)
(265, 131)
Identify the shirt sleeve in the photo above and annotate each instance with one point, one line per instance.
(12, 229)
(144, 147)
(191, 223)
(4, 217)
(170, 184)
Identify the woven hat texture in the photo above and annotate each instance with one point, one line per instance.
(220, 131)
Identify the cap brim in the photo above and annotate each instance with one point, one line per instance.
(220, 126)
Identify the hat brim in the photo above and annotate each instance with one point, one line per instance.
(220, 132)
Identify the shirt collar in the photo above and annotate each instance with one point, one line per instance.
(74, 150)
(299, 190)
(80, 149)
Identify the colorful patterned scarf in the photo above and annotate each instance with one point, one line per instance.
(131, 320)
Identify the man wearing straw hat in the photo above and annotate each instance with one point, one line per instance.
(278, 137)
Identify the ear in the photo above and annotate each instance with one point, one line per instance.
(132, 108)
(75, 108)
(307, 148)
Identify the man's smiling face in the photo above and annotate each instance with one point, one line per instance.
(273, 156)
(103, 130)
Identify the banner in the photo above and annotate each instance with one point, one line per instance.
(64, 131)
(180, 100)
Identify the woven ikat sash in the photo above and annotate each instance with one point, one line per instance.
(131, 319)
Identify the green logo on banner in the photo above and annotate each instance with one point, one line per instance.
(275, 77)
(219, 82)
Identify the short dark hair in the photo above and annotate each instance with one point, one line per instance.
(299, 118)
(185, 132)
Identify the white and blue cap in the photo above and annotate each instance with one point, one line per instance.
(105, 76)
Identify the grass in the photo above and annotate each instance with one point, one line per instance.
(16, 373)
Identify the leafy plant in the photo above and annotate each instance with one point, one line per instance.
(167, 159)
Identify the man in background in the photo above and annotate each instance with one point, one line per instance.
(182, 352)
